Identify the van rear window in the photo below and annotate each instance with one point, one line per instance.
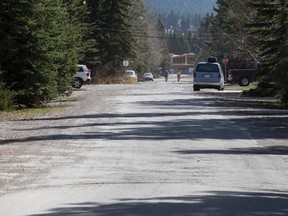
(80, 69)
(207, 68)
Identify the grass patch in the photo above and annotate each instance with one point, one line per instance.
(22, 113)
(65, 100)
(245, 88)
(241, 88)
(29, 113)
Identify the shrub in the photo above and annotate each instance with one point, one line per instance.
(6, 99)
(260, 92)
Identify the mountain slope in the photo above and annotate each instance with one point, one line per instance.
(195, 7)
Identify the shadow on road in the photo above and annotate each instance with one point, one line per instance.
(183, 123)
(217, 203)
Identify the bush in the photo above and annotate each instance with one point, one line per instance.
(6, 99)
(260, 92)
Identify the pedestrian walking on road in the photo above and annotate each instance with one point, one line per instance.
(166, 75)
(178, 75)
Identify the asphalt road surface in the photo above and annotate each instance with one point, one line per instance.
(153, 148)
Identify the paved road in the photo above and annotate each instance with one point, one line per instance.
(153, 148)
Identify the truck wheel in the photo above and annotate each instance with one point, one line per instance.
(77, 83)
(244, 81)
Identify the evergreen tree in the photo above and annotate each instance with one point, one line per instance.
(112, 32)
(203, 42)
(140, 32)
(24, 62)
(186, 45)
(75, 43)
(40, 46)
(229, 33)
(271, 29)
(157, 51)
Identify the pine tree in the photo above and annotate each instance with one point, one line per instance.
(203, 42)
(75, 42)
(271, 29)
(22, 70)
(230, 35)
(42, 41)
(138, 19)
(112, 33)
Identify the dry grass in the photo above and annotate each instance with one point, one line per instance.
(28, 113)
(114, 80)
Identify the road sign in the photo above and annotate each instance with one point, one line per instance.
(225, 60)
(125, 63)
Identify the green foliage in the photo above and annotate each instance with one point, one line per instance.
(271, 29)
(198, 7)
(203, 40)
(41, 43)
(260, 92)
(112, 32)
(227, 34)
(124, 30)
(251, 31)
(6, 98)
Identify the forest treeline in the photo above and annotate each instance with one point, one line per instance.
(41, 41)
(181, 7)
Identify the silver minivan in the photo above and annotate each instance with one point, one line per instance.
(208, 75)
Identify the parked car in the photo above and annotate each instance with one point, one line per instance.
(208, 75)
(148, 76)
(82, 76)
(131, 73)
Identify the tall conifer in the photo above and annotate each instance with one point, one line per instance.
(41, 43)
(271, 29)
(112, 32)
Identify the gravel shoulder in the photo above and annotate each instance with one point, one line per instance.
(27, 151)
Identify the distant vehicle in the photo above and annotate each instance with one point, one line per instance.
(148, 76)
(131, 73)
(208, 75)
(82, 75)
(242, 76)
